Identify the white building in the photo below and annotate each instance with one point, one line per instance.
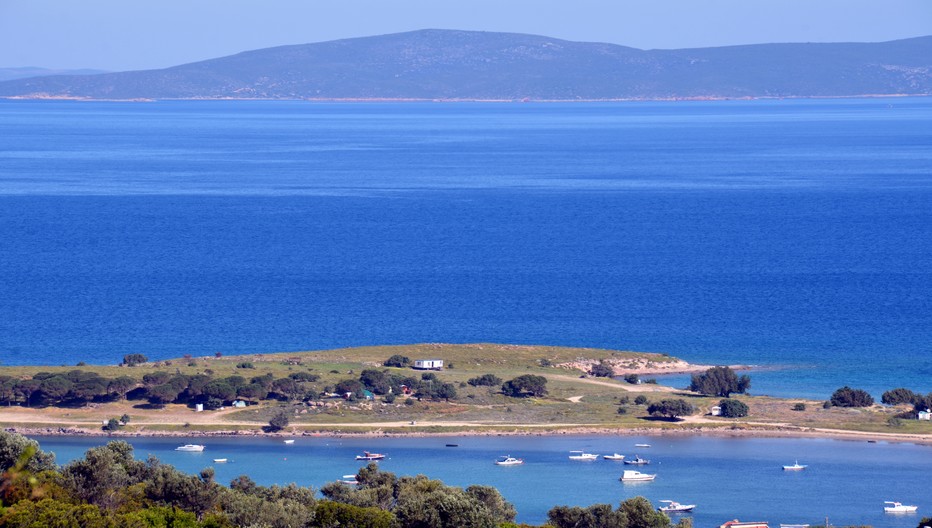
(428, 364)
(925, 415)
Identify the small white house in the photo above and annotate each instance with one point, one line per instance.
(428, 364)
(715, 411)
(925, 415)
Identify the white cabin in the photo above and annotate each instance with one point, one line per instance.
(924, 415)
(715, 411)
(428, 364)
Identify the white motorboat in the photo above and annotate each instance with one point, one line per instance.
(898, 508)
(192, 448)
(579, 455)
(370, 456)
(220, 460)
(289, 441)
(615, 456)
(795, 467)
(675, 507)
(641, 445)
(637, 461)
(636, 476)
(509, 461)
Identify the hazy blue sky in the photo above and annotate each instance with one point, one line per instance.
(141, 34)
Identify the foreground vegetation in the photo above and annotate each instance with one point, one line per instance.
(108, 488)
(482, 388)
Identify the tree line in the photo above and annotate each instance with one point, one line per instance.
(108, 488)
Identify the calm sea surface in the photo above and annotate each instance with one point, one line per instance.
(725, 478)
(791, 234)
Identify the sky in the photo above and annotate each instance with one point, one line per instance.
(120, 35)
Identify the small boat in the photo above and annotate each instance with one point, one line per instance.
(636, 476)
(898, 508)
(637, 461)
(794, 525)
(509, 461)
(795, 467)
(220, 460)
(289, 441)
(579, 455)
(615, 456)
(675, 507)
(350, 479)
(641, 445)
(192, 448)
(453, 445)
(370, 456)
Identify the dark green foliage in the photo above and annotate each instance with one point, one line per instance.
(329, 514)
(304, 377)
(926, 521)
(398, 360)
(131, 360)
(485, 380)
(601, 370)
(624, 400)
(641, 514)
(848, 397)
(636, 512)
(641, 400)
(156, 378)
(631, 378)
(719, 381)
(899, 396)
(279, 421)
(526, 385)
(670, 408)
(733, 409)
(622, 410)
(245, 365)
(377, 381)
(112, 425)
(827, 405)
(253, 391)
(799, 407)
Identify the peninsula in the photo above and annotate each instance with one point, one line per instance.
(415, 389)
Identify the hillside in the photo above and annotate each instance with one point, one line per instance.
(465, 65)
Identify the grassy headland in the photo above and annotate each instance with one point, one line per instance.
(575, 401)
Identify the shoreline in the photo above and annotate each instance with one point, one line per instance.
(753, 431)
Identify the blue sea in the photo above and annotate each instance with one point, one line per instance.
(725, 478)
(795, 235)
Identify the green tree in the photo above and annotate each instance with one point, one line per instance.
(152, 379)
(848, 397)
(15, 447)
(719, 381)
(55, 388)
(279, 421)
(485, 380)
(397, 360)
(602, 370)
(131, 360)
(329, 514)
(670, 408)
(641, 400)
(898, 397)
(733, 409)
(120, 386)
(641, 514)
(525, 385)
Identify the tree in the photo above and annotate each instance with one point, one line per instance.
(670, 408)
(601, 370)
(526, 385)
(375, 380)
(112, 425)
(632, 378)
(641, 514)
(898, 396)
(488, 380)
(159, 377)
(733, 409)
(397, 360)
(640, 400)
(16, 447)
(131, 360)
(279, 421)
(55, 388)
(719, 381)
(848, 397)
(162, 394)
(120, 386)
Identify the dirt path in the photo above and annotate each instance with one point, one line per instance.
(644, 387)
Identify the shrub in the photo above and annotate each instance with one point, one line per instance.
(651, 381)
(827, 405)
(848, 397)
(526, 385)
(670, 408)
(489, 380)
(131, 360)
(112, 425)
(624, 400)
(632, 378)
(601, 370)
(245, 365)
(799, 407)
(389, 398)
(544, 362)
(397, 360)
(898, 396)
(733, 409)
(279, 421)
(641, 400)
(622, 410)
(719, 381)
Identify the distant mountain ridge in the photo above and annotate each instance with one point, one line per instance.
(468, 65)
(8, 74)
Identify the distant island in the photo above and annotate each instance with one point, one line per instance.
(449, 65)
(431, 389)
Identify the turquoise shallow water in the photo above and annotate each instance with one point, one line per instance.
(775, 233)
(726, 478)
